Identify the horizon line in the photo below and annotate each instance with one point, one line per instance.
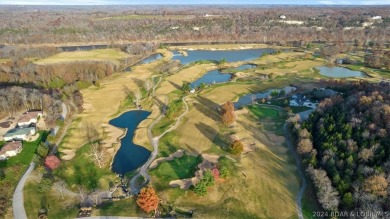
(219, 4)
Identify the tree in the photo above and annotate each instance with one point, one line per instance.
(376, 185)
(236, 147)
(42, 150)
(60, 187)
(200, 188)
(224, 172)
(305, 146)
(98, 154)
(228, 116)
(52, 162)
(147, 199)
(148, 85)
(137, 96)
(202, 86)
(208, 178)
(186, 87)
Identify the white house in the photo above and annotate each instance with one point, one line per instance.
(28, 118)
(307, 103)
(19, 133)
(282, 17)
(10, 149)
(192, 90)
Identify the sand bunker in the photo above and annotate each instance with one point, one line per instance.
(156, 162)
(209, 161)
(69, 154)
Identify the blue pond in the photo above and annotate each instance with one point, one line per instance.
(229, 55)
(151, 58)
(339, 72)
(129, 156)
(212, 77)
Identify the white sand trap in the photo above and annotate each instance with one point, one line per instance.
(156, 162)
(69, 154)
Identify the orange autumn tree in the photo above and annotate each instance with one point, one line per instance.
(147, 199)
(228, 113)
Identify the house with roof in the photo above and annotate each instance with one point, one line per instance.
(10, 149)
(29, 118)
(19, 133)
(297, 99)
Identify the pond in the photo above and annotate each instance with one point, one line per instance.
(339, 72)
(248, 98)
(129, 156)
(212, 77)
(151, 58)
(216, 55)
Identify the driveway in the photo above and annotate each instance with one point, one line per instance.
(17, 199)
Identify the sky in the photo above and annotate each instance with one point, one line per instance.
(181, 2)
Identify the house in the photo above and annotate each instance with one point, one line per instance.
(282, 17)
(19, 133)
(192, 90)
(10, 149)
(301, 100)
(28, 118)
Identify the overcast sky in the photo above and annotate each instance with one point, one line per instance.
(130, 2)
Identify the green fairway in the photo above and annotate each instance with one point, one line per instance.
(179, 168)
(264, 112)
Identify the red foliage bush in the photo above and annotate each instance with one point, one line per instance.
(52, 162)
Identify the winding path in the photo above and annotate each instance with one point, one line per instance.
(17, 199)
(154, 141)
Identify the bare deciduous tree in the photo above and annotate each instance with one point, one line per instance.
(148, 85)
(98, 154)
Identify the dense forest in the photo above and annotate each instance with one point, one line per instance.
(346, 146)
(114, 24)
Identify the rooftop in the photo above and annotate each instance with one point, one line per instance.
(19, 131)
(10, 146)
(29, 115)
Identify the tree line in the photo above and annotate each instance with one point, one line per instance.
(345, 145)
(184, 24)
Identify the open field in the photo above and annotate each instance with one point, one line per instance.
(111, 55)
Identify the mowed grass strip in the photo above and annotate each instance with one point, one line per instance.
(112, 55)
(178, 168)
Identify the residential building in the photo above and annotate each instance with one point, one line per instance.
(10, 149)
(29, 118)
(19, 133)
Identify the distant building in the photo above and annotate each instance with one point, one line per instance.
(282, 17)
(192, 91)
(10, 149)
(19, 134)
(29, 118)
(376, 18)
(300, 100)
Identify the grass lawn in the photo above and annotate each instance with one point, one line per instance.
(126, 207)
(59, 208)
(272, 119)
(178, 168)
(82, 171)
(298, 109)
(25, 157)
(94, 55)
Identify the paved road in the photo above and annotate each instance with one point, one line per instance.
(17, 199)
(154, 141)
(299, 169)
(64, 110)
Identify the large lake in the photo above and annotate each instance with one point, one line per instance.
(216, 55)
(339, 72)
(129, 156)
